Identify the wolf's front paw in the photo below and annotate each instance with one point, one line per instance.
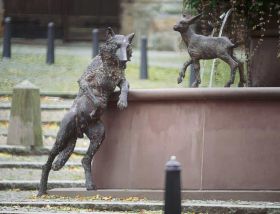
(91, 186)
(122, 104)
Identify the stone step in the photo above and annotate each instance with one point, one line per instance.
(51, 116)
(139, 206)
(97, 205)
(31, 165)
(43, 106)
(33, 185)
(29, 174)
(60, 210)
(21, 150)
(48, 141)
(46, 132)
(68, 95)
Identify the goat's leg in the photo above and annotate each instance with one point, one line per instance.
(96, 133)
(233, 66)
(242, 80)
(183, 71)
(197, 81)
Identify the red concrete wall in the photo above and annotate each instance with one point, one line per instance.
(225, 139)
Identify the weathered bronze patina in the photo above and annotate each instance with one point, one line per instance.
(204, 47)
(97, 84)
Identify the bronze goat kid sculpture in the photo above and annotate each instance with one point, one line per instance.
(203, 47)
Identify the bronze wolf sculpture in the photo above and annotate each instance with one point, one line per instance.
(98, 82)
(204, 47)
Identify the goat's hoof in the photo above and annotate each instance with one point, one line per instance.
(227, 85)
(179, 80)
(195, 85)
(240, 84)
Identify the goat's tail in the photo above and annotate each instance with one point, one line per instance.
(64, 155)
(235, 45)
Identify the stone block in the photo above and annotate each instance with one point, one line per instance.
(25, 118)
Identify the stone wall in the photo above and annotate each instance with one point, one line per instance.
(155, 19)
(227, 141)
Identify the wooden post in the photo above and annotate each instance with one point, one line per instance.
(25, 119)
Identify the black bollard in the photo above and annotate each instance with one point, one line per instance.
(7, 38)
(192, 75)
(144, 60)
(50, 44)
(172, 187)
(95, 42)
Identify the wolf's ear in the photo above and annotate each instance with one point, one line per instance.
(130, 37)
(109, 33)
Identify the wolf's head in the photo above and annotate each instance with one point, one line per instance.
(117, 47)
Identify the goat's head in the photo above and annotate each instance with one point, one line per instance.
(184, 23)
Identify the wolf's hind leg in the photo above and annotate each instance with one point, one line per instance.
(96, 133)
(46, 169)
(66, 131)
(64, 155)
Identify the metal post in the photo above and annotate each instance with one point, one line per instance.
(7, 38)
(50, 44)
(95, 42)
(144, 60)
(192, 75)
(172, 187)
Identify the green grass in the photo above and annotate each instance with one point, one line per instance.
(63, 75)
